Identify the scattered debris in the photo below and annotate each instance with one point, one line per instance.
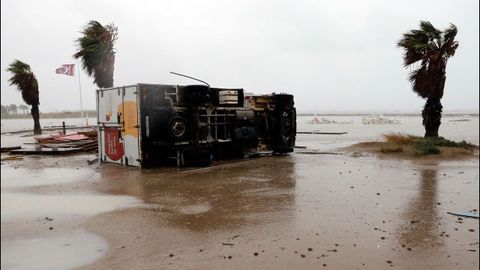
(46, 151)
(8, 149)
(459, 120)
(12, 158)
(321, 133)
(57, 144)
(319, 153)
(470, 214)
(324, 120)
(378, 120)
(90, 162)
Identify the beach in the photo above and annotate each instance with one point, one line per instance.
(321, 207)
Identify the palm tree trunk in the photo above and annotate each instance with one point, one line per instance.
(432, 114)
(36, 120)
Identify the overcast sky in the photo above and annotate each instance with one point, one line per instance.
(332, 55)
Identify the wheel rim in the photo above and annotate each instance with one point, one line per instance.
(179, 128)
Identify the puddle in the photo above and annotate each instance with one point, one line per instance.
(59, 251)
(33, 206)
(20, 177)
(196, 209)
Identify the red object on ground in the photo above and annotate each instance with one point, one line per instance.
(63, 138)
(72, 137)
(113, 145)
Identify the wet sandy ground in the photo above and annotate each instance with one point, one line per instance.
(300, 211)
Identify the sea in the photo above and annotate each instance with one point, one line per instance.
(457, 127)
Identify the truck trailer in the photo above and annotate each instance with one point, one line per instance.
(147, 125)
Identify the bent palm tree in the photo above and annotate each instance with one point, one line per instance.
(432, 48)
(24, 79)
(96, 51)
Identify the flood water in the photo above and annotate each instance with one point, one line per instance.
(301, 211)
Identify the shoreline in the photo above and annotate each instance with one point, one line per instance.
(93, 114)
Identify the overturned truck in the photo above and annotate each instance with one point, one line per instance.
(147, 125)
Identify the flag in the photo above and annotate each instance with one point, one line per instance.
(65, 69)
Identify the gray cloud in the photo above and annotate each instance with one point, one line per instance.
(333, 55)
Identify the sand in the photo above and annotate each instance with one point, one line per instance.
(301, 211)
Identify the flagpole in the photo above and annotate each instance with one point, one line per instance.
(80, 90)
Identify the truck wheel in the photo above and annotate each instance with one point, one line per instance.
(178, 128)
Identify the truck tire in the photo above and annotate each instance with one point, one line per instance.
(179, 128)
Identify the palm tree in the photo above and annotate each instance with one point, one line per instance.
(96, 51)
(24, 108)
(13, 109)
(431, 48)
(24, 79)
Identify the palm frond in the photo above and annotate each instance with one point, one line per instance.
(97, 53)
(420, 81)
(432, 48)
(430, 30)
(449, 43)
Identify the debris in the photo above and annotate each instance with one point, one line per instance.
(470, 214)
(58, 144)
(378, 120)
(321, 133)
(458, 120)
(227, 244)
(319, 153)
(90, 162)
(46, 151)
(7, 149)
(12, 158)
(323, 120)
(61, 138)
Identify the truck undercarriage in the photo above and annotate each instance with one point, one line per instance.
(193, 124)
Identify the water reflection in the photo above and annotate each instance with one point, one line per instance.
(256, 192)
(421, 229)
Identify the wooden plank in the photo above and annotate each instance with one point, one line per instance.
(46, 151)
(8, 149)
(321, 133)
(12, 158)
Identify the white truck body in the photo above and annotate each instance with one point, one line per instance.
(119, 125)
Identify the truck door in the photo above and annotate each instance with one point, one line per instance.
(130, 126)
(118, 125)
